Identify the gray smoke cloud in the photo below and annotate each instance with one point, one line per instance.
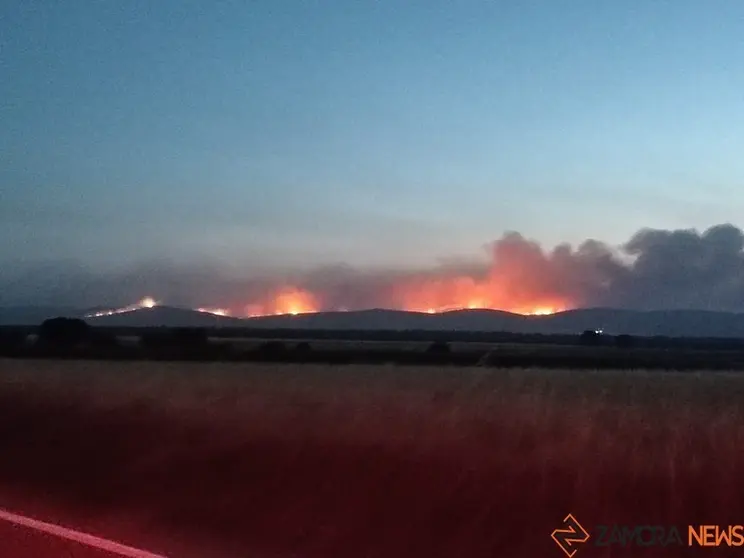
(684, 269)
(654, 269)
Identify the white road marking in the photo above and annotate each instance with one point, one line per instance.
(76, 536)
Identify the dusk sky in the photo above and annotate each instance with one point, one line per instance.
(263, 134)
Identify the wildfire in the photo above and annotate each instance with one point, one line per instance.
(289, 300)
(536, 311)
(520, 276)
(541, 311)
(215, 311)
(147, 302)
(432, 297)
(461, 293)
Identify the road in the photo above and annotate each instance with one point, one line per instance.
(24, 537)
(27, 536)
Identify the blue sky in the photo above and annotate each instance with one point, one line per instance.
(262, 134)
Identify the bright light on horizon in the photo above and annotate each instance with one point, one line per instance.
(542, 311)
(292, 304)
(145, 303)
(215, 311)
(476, 305)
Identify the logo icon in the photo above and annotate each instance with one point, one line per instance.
(570, 535)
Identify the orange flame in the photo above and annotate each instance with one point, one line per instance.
(215, 311)
(459, 293)
(288, 300)
(426, 295)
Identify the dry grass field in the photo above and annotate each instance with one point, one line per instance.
(320, 461)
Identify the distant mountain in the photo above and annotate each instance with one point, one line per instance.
(360, 319)
(165, 316)
(460, 320)
(671, 323)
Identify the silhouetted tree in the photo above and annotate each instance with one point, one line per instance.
(303, 347)
(175, 338)
(590, 337)
(624, 341)
(272, 348)
(155, 339)
(438, 347)
(190, 337)
(12, 341)
(63, 332)
(102, 338)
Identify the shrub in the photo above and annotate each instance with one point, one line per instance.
(64, 332)
(624, 341)
(272, 348)
(190, 337)
(179, 337)
(103, 338)
(155, 339)
(590, 337)
(439, 347)
(12, 341)
(303, 347)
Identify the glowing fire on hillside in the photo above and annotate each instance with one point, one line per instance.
(537, 311)
(507, 289)
(519, 277)
(287, 300)
(215, 311)
(147, 302)
(431, 296)
(461, 293)
(294, 301)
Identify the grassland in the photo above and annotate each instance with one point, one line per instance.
(375, 461)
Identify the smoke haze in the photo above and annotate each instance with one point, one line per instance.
(654, 269)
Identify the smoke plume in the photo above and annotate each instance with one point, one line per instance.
(655, 269)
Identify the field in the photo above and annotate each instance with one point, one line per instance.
(72, 339)
(284, 460)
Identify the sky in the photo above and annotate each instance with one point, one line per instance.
(264, 136)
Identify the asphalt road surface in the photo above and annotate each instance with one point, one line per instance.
(24, 537)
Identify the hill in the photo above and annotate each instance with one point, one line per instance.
(670, 323)
(165, 316)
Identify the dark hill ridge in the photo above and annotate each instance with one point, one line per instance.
(671, 323)
(165, 316)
